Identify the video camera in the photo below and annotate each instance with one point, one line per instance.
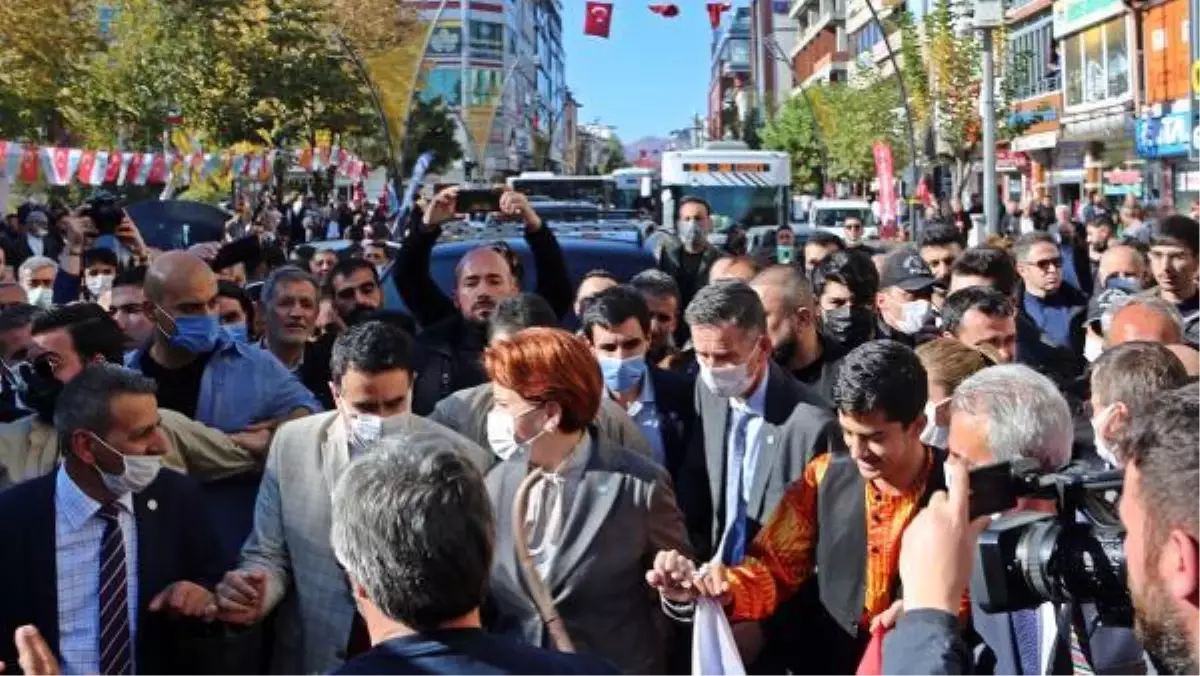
(105, 211)
(1074, 556)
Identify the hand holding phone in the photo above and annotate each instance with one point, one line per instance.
(474, 201)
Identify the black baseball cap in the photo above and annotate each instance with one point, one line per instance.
(907, 270)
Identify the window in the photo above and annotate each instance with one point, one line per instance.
(484, 86)
(1097, 64)
(1030, 55)
(487, 39)
(863, 41)
(445, 83)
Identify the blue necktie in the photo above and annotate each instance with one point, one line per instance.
(1027, 632)
(116, 656)
(735, 500)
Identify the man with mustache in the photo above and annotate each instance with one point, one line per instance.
(455, 330)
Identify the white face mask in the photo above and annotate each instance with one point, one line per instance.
(728, 381)
(1103, 449)
(912, 316)
(140, 471)
(502, 434)
(364, 430)
(98, 285)
(934, 434)
(1092, 348)
(42, 296)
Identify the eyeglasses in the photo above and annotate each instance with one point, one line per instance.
(1046, 264)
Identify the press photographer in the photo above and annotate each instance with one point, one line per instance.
(1013, 414)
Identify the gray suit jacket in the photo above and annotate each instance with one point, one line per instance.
(466, 412)
(622, 515)
(290, 539)
(798, 426)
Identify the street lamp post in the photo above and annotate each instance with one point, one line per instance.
(989, 15)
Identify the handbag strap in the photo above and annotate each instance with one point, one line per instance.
(538, 591)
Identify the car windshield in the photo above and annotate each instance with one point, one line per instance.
(597, 191)
(745, 206)
(835, 217)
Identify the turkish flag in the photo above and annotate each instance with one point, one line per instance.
(715, 10)
(28, 171)
(598, 19)
(112, 173)
(669, 11)
(158, 170)
(872, 660)
(87, 163)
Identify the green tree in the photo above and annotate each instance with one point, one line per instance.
(431, 127)
(854, 116)
(613, 156)
(793, 130)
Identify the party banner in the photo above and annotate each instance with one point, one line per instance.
(887, 184)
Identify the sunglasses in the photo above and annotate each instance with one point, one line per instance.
(1046, 264)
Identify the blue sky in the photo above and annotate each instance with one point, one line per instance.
(649, 77)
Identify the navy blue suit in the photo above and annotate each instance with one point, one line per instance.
(176, 541)
(468, 651)
(674, 399)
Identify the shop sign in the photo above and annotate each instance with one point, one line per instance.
(1164, 136)
(1008, 160)
(1187, 181)
(1040, 141)
(1123, 177)
(1073, 15)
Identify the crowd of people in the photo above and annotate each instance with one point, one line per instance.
(238, 459)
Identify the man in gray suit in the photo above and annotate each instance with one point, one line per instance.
(760, 428)
(287, 562)
(466, 411)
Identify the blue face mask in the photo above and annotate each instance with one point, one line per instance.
(621, 375)
(239, 332)
(193, 333)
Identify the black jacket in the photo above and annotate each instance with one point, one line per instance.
(674, 401)
(176, 541)
(425, 300)
(447, 360)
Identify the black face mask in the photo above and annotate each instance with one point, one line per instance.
(849, 326)
(38, 391)
(359, 314)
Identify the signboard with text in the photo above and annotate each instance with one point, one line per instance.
(1169, 135)
(1193, 24)
(1071, 16)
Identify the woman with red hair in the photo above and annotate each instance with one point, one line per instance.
(578, 519)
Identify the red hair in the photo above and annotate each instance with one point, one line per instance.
(543, 365)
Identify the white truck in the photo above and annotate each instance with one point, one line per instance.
(750, 188)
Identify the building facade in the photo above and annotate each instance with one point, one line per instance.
(820, 52)
(731, 69)
(501, 68)
(772, 37)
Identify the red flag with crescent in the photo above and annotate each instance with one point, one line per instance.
(669, 10)
(598, 19)
(28, 171)
(715, 10)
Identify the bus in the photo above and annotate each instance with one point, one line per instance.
(750, 188)
(637, 188)
(547, 186)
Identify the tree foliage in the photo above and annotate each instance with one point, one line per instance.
(269, 72)
(613, 155)
(431, 127)
(793, 130)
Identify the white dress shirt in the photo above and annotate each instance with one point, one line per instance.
(78, 533)
(550, 501)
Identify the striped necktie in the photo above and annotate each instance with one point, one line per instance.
(116, 655)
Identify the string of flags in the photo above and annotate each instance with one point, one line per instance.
(597, 20)
(27, 163)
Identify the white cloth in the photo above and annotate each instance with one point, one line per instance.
(714, 652)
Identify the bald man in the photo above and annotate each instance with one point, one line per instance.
(1146, 319)
(741, 268)
(455, 330)
(1121, 265)
(202, 372)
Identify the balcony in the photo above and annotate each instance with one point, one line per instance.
(819, 15)
(1033, 88)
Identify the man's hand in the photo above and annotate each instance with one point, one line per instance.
(33, 654)
(672, 575)
(441, 208)
(127, 233)
(186, 599)
(515, 205)
(255, 438)
(241, 596)
(80, 231)
(887, 619)
(938, 547)
(715, 583)
(207, 251)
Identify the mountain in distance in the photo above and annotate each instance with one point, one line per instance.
(650, 144)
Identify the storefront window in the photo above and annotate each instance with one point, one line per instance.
(1097, 64)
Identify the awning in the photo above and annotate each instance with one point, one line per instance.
(1098, 128)
(1040, 141)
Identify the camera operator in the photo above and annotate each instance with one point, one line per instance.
(1009, 413)
(1158, 510)
(1124, 379)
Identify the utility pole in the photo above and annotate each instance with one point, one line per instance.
(989, 15)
